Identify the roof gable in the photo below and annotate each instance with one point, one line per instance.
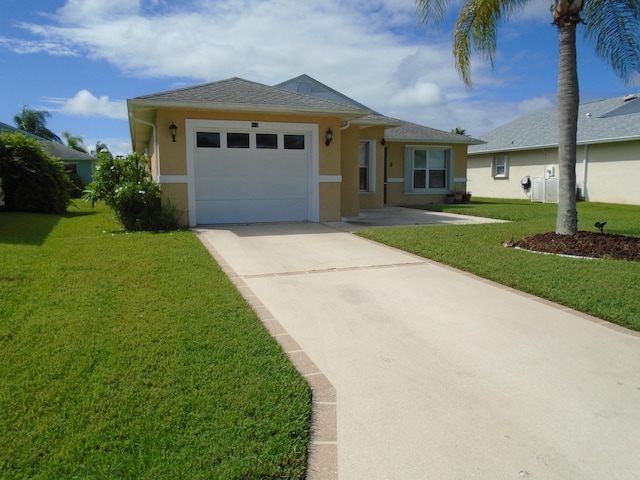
(609, 120)
(307, 85)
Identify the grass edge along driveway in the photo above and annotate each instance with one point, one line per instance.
(134, 356)
(607, 289)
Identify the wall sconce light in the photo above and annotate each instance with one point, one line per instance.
(328, 137)
(383, 142)
(173, 128)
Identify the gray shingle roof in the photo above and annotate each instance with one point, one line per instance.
(411, 132)
(604, 121)
(52, 148)
(239, 94)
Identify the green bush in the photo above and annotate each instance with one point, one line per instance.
(32, 180)
(124, 184)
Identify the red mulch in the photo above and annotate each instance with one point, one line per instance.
(583, 244)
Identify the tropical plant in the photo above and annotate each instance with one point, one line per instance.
(459, 131)
(74, 141)
(35, 122)
(124, 184)
(32, 180)
(612, 26)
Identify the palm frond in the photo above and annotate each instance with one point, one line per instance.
(614, 28)
(432, 12)
(477, 26)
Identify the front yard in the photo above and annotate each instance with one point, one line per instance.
(607, 289)
(133, 356)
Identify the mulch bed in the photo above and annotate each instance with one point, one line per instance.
(583, 244)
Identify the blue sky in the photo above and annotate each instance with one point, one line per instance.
(81, 59)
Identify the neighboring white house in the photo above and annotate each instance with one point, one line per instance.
(525, 151)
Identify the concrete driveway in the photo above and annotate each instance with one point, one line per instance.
(431, 373)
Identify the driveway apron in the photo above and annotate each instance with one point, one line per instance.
(440, 374)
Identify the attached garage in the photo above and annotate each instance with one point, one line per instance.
(248, 172)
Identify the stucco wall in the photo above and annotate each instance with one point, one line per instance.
(612, 172)
(169, 159)
(350, 188)
(396, 194)
(175, 195)
(374, 199)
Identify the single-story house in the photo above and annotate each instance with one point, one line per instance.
(525, 151)
(74, 161)
(236, 151)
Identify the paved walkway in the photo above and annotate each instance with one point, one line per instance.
(431, 373)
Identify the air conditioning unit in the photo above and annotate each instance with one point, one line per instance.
(549, 171)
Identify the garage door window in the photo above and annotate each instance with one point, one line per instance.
(237, 140)
(208, 139)
(267, 140)
(294, 142)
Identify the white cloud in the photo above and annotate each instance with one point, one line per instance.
(419, 95)
(536, 104)
(85, 104)
(370, 50)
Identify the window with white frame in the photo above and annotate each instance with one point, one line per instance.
(427, 169)
(500, 166)
(367, 166)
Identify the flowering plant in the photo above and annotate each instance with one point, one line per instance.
(125, 185)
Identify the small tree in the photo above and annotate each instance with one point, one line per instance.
(32, 180)
(125, 186)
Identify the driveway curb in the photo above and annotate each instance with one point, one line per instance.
(322, 463)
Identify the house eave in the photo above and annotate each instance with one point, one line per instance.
(344, 114)
(554, 145)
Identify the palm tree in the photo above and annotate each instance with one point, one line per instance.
(613, 26)
(74, 141)
(459, 131)
(35, 122)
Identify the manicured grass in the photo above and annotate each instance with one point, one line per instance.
(608, 289)
(133, 356)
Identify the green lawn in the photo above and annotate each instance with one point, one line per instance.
(133, 356)
(608, 289)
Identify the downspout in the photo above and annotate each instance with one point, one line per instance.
(585, 166)
(156, 161)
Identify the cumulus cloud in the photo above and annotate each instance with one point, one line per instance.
(85, 104)
(536, 104)
(419, 95)
(370, 50)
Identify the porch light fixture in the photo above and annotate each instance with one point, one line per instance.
(173, 128)
(383, 142)
(328, 137)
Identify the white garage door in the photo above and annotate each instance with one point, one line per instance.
(248, 176)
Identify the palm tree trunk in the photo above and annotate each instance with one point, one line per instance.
(568, 101)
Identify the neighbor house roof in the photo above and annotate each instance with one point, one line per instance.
(54, 149)
(611, 120)
(411, 132)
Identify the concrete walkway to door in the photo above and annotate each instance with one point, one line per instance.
(437, 374)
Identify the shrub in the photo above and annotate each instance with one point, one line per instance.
(124, 184)
(32, 180)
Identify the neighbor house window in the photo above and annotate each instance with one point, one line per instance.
(500, 166)
(367, 166)
(237, 140)
(427, 168)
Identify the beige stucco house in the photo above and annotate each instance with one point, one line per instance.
(236, 151)
(526, 150)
